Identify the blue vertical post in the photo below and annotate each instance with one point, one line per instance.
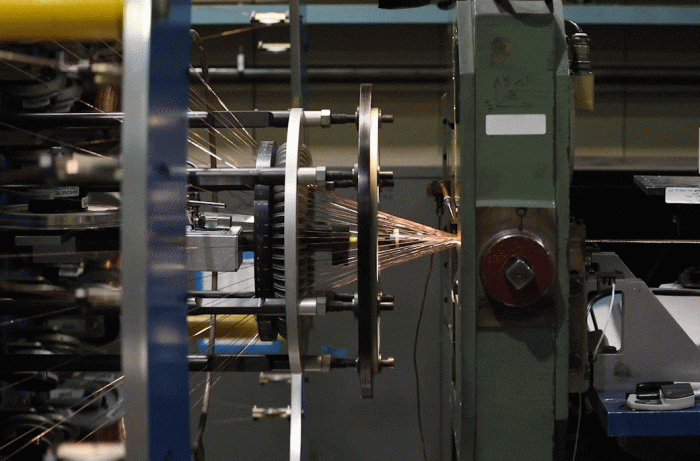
(154, 141)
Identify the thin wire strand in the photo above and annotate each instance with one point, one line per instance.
(243, 131)
(38, 316)
(236, 131)
(75, 358)
(607, 322)
(46, 138)
(241, 30)
(578, 426)
(415, 359)
(92, 398)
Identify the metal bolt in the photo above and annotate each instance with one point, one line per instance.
(519, 273)
(386, 363)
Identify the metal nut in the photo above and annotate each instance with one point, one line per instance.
(325, 118)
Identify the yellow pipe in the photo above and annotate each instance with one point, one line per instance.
(60, 20)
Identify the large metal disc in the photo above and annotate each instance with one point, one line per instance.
(295, 271)
(297, 327)
(367, 248)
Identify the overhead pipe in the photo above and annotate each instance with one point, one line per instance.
(323, 74)
(607, 79)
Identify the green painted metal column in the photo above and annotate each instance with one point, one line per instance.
(511, 352)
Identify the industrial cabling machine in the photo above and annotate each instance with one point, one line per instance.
(114, 242)
(510, 314)
(96, 251)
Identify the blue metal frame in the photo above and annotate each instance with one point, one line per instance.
(154, 134)
(621, 421)
(370, 14)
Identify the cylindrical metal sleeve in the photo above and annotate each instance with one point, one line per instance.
(75, 20)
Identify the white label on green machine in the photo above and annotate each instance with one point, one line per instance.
(516, 124)
(683, 195)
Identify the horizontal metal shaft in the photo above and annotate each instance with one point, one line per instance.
(233, 306)
(112, 362)
(219, 179)
(197, 119)
(646, 241)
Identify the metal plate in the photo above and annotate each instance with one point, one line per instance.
(654, 346)
(656, 185)
(367, 248)
(96, 217)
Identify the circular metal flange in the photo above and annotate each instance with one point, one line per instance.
(298, 327)
(367, 247)
(296, 268)
(95, 217)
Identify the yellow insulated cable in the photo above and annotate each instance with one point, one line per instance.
(68, 20)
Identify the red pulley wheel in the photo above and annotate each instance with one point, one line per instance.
(516, 269)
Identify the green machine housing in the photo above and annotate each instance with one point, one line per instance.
(510, 314)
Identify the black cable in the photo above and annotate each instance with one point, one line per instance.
(657, 263)
(595, 321)
(589, 308)
(578, 425)
(415, 359)
(576, 27)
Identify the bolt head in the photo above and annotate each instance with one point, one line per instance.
(519, 273)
